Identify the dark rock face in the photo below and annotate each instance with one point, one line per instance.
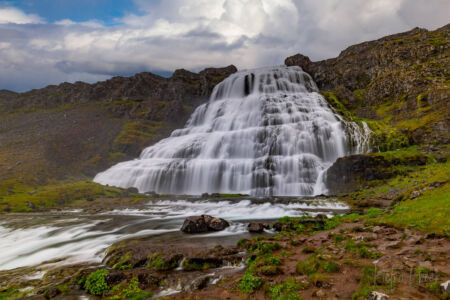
(396, 76)
(203, 223)
(215, 224)
(352, 172)
(194, 224)
(255, 227)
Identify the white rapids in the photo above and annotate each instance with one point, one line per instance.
(263, 132)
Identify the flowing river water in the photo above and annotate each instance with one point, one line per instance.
(67, 237)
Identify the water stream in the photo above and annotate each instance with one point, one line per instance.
(74, 236)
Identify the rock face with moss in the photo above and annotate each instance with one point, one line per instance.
(399, 82)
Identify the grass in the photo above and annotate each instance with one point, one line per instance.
(20, 197)
(428, 212)
(287, 290)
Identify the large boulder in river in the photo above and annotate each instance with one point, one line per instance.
(194, 224)
(215, 224)
(203, 223)
(256, 227)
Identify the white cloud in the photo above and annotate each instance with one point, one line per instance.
(16, 16)
(193, 34)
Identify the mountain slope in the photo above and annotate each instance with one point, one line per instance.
(75, 130)
(399, 83)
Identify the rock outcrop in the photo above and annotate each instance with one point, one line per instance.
(401, 80)
(203, 223)
(353, 172)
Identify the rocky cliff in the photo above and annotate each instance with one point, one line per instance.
(399, 83)
(76, 130)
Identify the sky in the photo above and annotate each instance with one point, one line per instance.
(46, 42)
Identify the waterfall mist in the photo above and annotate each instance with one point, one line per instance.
(263, 132)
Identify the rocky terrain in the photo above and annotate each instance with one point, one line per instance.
(399, 83)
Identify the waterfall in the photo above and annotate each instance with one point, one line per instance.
(263, 132)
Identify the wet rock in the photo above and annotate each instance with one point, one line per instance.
(147, 279)
(255, 227)
(7, 209)
(114, 278)
(200, 283)
(277, 226)
(321, 217)
(378, 296)
(203, 223)
(194, 224)
(132, 190)
(445, 287)
(205, 195)
(51, 293)
(215, 224)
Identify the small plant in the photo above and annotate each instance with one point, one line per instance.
(250, 283)
(339, 238)
(95, 283)
(132, 291)
(331, 267)
(287, 290)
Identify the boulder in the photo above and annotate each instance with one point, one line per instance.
(255, 227)
(277, 226)
(132, 190)
(194, 224)
(215, 224)
(203, 223)
(378, 296)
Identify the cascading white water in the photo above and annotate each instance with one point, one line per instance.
(264, 132)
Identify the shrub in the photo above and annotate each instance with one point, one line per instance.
(96, 284)
(249, 283)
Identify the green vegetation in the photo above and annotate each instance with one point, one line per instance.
(287, 290)
(365, 284)
(124, 262)
(130, 291)
(137, 135)
(21, 197)
(386, 136)
(317, 263)
(362, 249)
(249, 283)
(95, 283)
(340, 108)
(429, 212)
(10, 293)
(158, 262)
(198, 264)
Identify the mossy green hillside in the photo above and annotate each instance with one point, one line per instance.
(18, 197)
